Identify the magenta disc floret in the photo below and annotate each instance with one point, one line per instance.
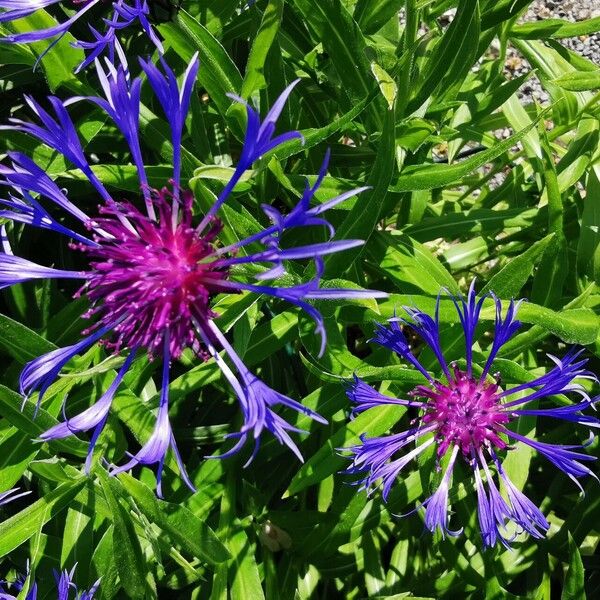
(466, 411)
(152, 276)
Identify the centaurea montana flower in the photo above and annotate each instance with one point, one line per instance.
(64, 586)
(125, 14)
(469, 416)
(152, 275)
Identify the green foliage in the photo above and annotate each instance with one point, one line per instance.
(416, 109)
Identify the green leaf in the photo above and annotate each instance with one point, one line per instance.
(361, 219)
(344, 43)
(269, 337)
(552, 62)
(551, 274)
(182, 526)
(588, 248)
(537, 333)
(16, 54)
(373, 573)
(575, 326)
(574, 586)
(544, 590)
(371, 15)
(498, 95)
(573, 166)
(135, 577)
(21, 342)
(254, 78)
(78, 536)
(412, 133)
(105, 566)
(507, 283)
(60, 61)
(554, 28)
(33, 424)
(16, 453)
(427, 177)
(223, 175)
(246, 578)
(409, 264)
(20, 527)
(314, 136)
(124, 178)
(387, 85)
(52, 469)
(572, 325)
(501, 10)
(519, 119)
(579, 81)
(218, 73)
(326, 461)
(455, 225)
(452, 56)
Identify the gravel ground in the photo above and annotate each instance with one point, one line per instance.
(587, 46)
(570, 10)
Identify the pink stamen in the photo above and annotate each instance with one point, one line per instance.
(467, 413)
(152, 278)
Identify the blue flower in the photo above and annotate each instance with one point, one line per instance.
(64, 586)
(469, 416)
(125, 13)
(10, 495)
(152, 273)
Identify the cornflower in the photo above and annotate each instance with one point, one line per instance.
(467, 415)
(64, 586)
(153, 272)
(10, 495)
(125, 13)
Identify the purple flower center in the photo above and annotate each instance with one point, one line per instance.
(150, 277)
(465, 411)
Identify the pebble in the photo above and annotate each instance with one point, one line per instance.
(587, 46)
